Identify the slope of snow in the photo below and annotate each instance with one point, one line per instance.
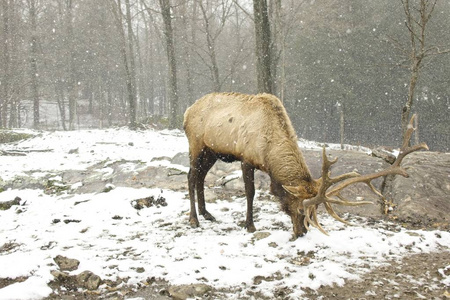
(114, 240)
(65, 150)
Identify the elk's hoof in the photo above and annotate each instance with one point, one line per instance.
(209, 217)
(194, 223)
(250, 228)
(297, 235)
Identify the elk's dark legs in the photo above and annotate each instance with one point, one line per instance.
(248, 173)
(192, 180)
(207, 160)
(199, 167)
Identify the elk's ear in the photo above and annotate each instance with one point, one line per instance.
(293, 190)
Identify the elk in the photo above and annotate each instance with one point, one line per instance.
(256, 130)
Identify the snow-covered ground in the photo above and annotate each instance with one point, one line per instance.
(112, 239)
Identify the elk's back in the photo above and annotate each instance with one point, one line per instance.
(237, 125)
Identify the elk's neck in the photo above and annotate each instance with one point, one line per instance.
(286, 164)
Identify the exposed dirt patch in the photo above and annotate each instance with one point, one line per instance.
(415, 277)
(152, 289)
(418, 276)
(8, 281)
(7, 136)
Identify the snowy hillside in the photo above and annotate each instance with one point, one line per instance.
(114, 240)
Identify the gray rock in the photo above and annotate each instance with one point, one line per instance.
(66, 264)
(83, 277)
(423, 198)
(384, 153)
(27, 181)
(8, 204)
(181, 159)
(93, 282)
(60, 276)
(74, 151)
(88, 280)
(261, 235)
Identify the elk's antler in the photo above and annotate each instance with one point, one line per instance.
(337, 184)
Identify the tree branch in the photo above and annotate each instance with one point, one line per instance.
(244, 10)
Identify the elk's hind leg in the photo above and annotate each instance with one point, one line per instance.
(206, 161)
(192, 180)
(248, 172)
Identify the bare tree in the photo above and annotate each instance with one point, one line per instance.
(14, 62)
(188, 31)
(59, 93)
(72, 85)
(172, 66)
(128, 60)
(417, 18)
(284, 18)
(33, 61)
(5, 62)
(142, 49)
(214, 20)
(132, 68)
(219, 39)
(263, 42)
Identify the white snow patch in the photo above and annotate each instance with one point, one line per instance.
(445, 273)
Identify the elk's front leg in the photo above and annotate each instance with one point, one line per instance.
(248, 173)
(201, 199)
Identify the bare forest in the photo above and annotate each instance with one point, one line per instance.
(343, 69)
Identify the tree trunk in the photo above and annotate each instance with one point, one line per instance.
(141, 105)
(187, 57)
(60, 99)
(132, 68)
(6, 62)
(417, 18)
(170, 49)
(91, 98)
(150, 82)
(34, 70)
(110, 106)
(341, 124)
(263, 53)
(278, 60)
(409, 102)
(130, 81)
(416, 131)
(210, 43)
(71, 76)
(101, 105)
(148, 65)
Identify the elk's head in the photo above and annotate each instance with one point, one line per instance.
(293, 204)
(303, 200)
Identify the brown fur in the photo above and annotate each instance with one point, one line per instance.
(256, 130)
